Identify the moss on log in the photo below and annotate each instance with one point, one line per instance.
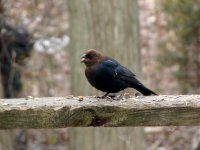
(70, 112)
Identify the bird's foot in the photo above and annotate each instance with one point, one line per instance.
(112, 96)
(119, 97)
(101, 97)
(122, 96)
(106, 96)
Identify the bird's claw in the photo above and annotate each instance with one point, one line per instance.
(101, 97)
(119, 97)
(111, 97)
(107, 97)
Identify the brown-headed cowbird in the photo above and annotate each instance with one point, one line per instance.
(107, 75)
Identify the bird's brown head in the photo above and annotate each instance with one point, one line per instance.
(92, 57)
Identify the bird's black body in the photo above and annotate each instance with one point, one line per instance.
(109, 76)
(104, 76)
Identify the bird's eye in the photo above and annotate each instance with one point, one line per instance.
(88, 56)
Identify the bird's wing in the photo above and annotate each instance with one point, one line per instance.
(114, 69)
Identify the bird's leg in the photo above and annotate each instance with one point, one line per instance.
(104, 96)
(112, 96)
(120, 97)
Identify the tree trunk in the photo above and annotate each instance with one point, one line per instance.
(106, 138)
(111, 26)
(6, 141)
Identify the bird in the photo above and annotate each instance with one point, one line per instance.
(16, 45)
(108, 75)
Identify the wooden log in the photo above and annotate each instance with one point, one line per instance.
(62, 112)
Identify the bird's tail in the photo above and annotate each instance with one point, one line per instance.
(144, 90)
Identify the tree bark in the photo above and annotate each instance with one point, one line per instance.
(106, 138)
(111, 26)
(6, 140)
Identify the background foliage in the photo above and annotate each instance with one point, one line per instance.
(181, 46)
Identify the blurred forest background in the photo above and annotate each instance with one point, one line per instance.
(170, 62)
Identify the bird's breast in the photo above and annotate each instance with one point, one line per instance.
(93, 75)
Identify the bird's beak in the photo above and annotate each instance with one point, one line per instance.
(82, 58)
